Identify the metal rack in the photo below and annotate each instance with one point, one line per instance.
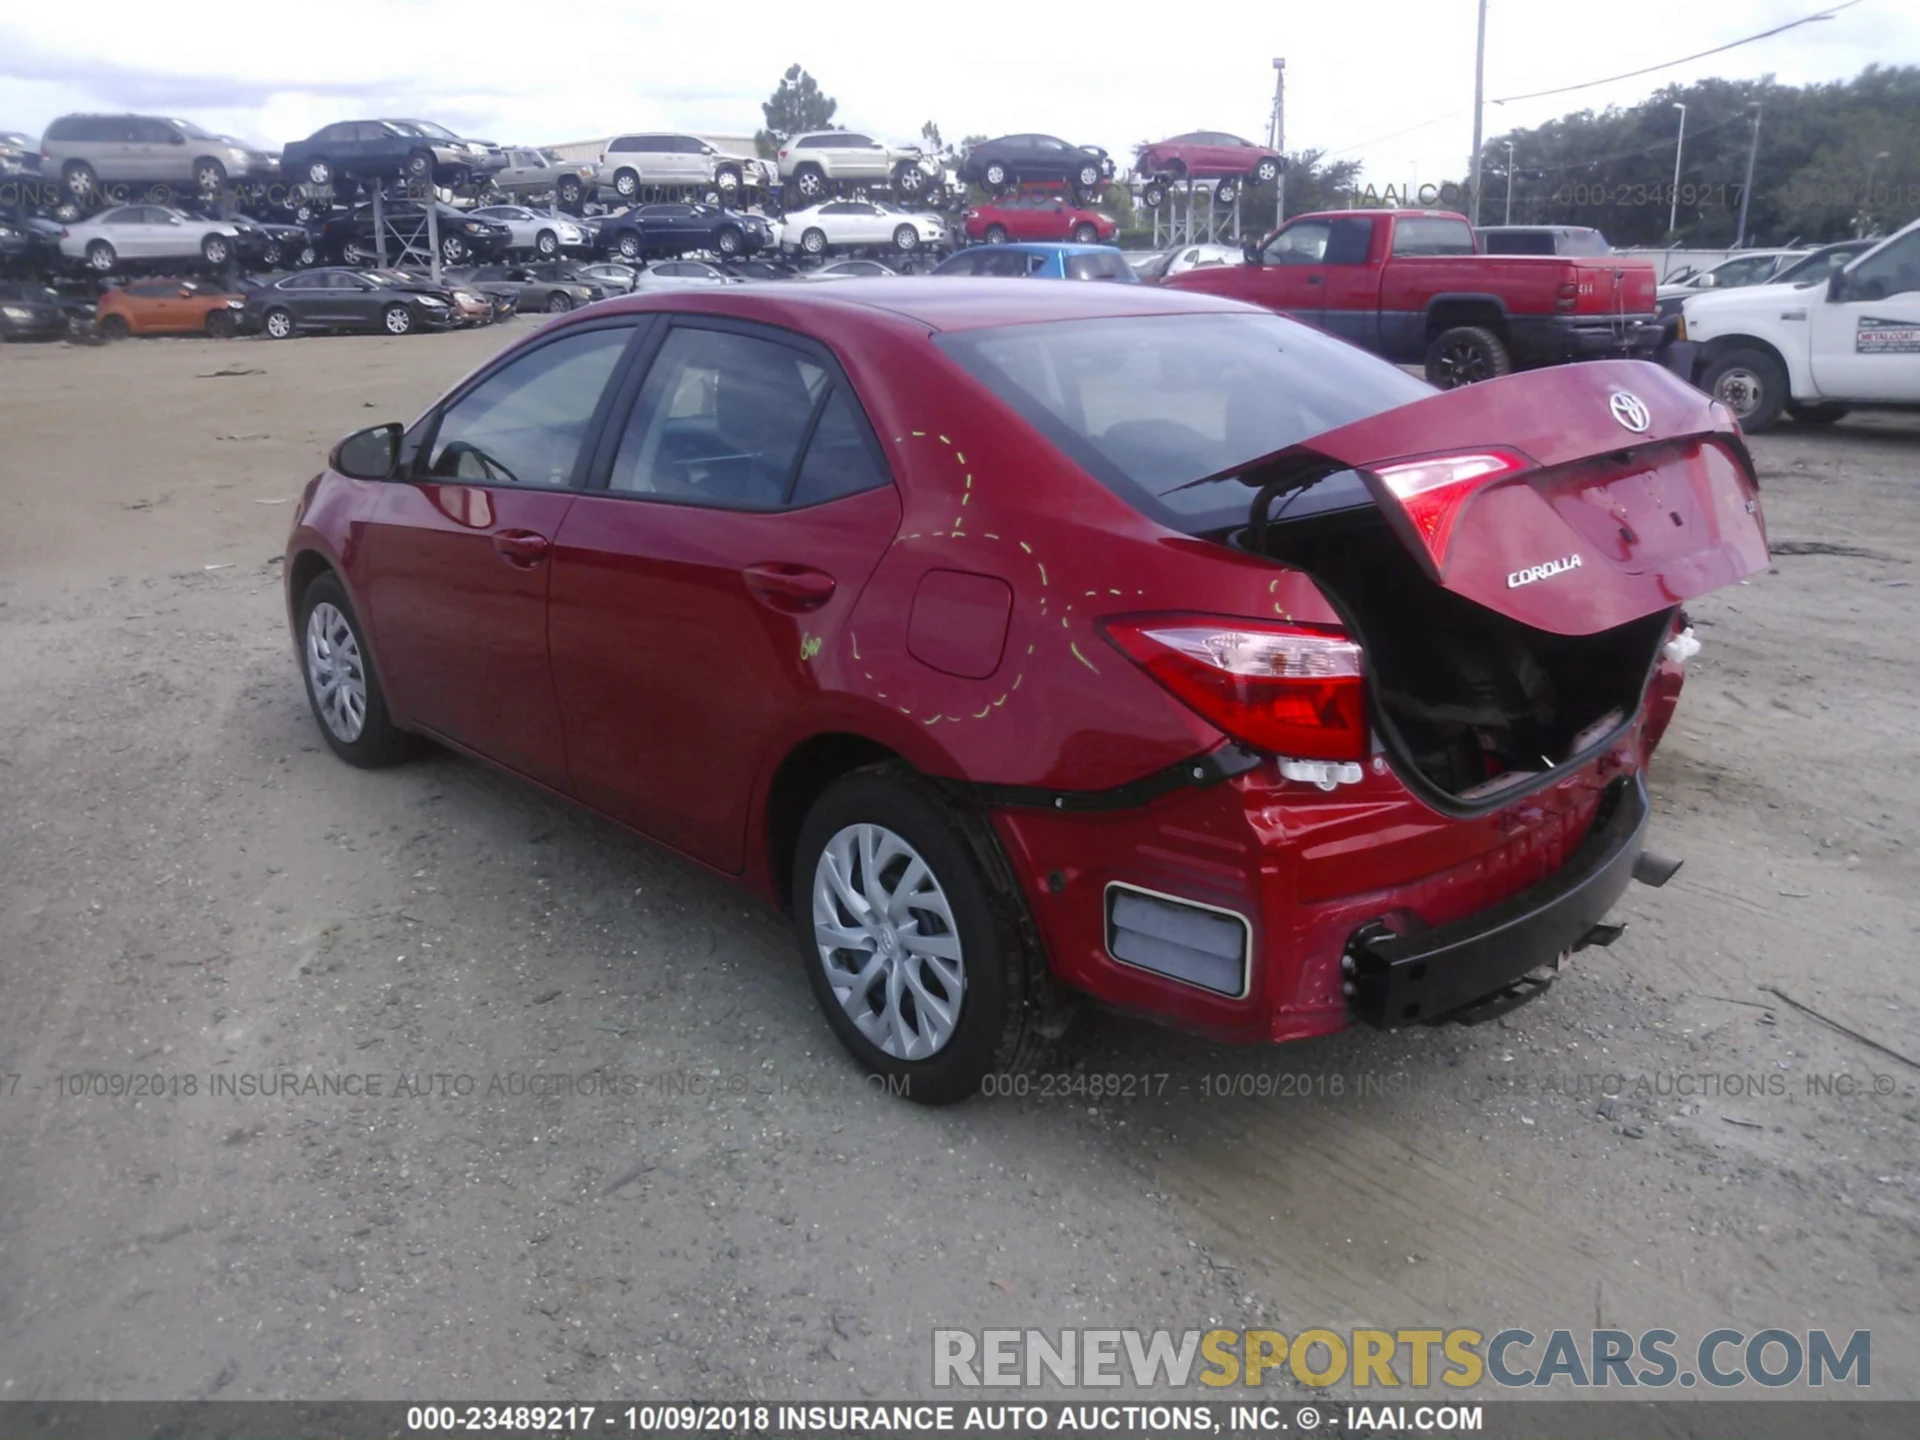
(1191, 216)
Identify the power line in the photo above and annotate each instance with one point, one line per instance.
(1395, 135)
(1684, 59)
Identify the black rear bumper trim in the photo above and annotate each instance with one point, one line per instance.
(1417, 978)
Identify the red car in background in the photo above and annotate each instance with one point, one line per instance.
(997, 223)
(1026, 643)
(1205, 155)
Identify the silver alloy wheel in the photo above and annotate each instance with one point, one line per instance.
(336, 673)
(814, 242)
(100, 256)
(1740, 390)
(279, 324)
(888, 941)
(398, 320)
(215, 250)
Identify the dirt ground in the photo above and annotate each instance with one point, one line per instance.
(191, 887)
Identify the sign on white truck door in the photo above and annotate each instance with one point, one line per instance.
(1866, 343)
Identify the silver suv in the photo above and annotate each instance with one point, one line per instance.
(84, 152)
(631, 163)
(812, 164)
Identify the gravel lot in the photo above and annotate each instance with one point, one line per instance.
(195, 891)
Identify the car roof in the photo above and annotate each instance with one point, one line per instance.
(1057, 247)
(944, 304)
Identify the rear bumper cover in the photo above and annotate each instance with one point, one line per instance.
(1414, 978)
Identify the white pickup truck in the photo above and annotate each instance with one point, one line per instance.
(1813, 352)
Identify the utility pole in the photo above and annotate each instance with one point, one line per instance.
(1679, 148)
(1479, 93)
(1746, 190)
(1277, 140)
(1509, 219)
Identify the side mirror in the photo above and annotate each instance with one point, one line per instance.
(368, 454)
(186, 290)
(1837, 285)
(1251, 250)
(1707, 281)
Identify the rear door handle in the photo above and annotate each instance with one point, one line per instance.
(789, 587)
(521, 547)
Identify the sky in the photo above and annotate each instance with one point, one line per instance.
(1390, 84)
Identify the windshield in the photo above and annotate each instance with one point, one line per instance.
(428, 128)
(1149, 404)
(1816, 268)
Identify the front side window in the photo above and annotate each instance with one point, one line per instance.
(1892, 271)
(720, 421)
(524, 424)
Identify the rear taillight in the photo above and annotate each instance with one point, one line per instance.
(1569, 296)
(1433, 491)
(1279, 688)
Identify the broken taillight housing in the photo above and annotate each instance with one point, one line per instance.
(1284, 689)
(1433, 491)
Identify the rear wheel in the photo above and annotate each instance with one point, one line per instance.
(342, 688)
(626, 184)
(1466, 354)
(1815, 414)
(220, 324)
(1155, 195)
(913, 935)
(1225, 192)
(278, 323)
(114, 327)
(1751, 383)
(814, 242)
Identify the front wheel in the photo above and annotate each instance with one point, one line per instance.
(215, 250)
(278, 323)
(419, 165)
(909, 179)
(342, 688)
(1752, 384)
(101, 257)
(906, 239)
(114, 327)
(996, 235)
(997, 176)
(570, 194)
(628, 245)
(727, 242)
(914, 936)
(220, 325)
(546, 244)
(319, 173)
(1464, 355)
(397, 319)
(452, 250)
(209, 177)
(1085, 234)
(1266, 172)
(559, 303)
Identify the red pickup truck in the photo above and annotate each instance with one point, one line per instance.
(1413, 286)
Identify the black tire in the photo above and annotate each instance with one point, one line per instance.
(627, 245)
(1752, 384)
(397, 320)
(1225, 191)
(379, 742)
(279, 324)
(1002, 969)
(1266, 172)
(220, 324)
(1816, 414)
(353, 253)
(1465, 355)
(320, 172)
(1085, 233)
(728, 241)
(270, 257)
(906, 239)
(559, 303)
(1155, 195)
(419, 165)
(571, 194)
(727, 180)
(114, 327)
(546, 244)
(209, 176)
(1087, 177)
(101, 258)
(626, 184)
(996, 234)
(79, 180)
(305, 257)
(452, 250)
(216, 250)
(814, 241)
(809, 182)
(909, 179)
(996, 175)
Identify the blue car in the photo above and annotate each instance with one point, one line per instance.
(1041, 262)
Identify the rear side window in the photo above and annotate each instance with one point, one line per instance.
(1427, 235)
(1097, 267)
(523, 425)
(1147, 405)
(839, 459)
(1519, 242)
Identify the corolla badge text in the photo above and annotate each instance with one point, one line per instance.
(1544, 571)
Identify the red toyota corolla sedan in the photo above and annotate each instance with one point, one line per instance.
(1028, 644)
(997, 222)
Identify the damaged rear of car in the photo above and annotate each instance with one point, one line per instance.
(1434, 784)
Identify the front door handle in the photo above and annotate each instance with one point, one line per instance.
(1313, 279)
(789, 587)
(521, 547)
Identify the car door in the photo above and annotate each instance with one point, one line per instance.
(738, 505)
(1292, 275)
(1866, 338)
(862, 157)
(456, 558)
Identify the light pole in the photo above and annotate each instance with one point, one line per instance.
(1866, 196)
(1479, 92)
(1679, 148)
(1278, 131)
(1746, 190)
(1509, 219)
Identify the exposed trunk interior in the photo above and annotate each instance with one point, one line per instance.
(1472, 701)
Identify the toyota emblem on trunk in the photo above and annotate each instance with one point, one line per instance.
(1631, 411)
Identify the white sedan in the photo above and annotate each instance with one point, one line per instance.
(146, 232)
(545, 235)
(853, 224)
(682, 275)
